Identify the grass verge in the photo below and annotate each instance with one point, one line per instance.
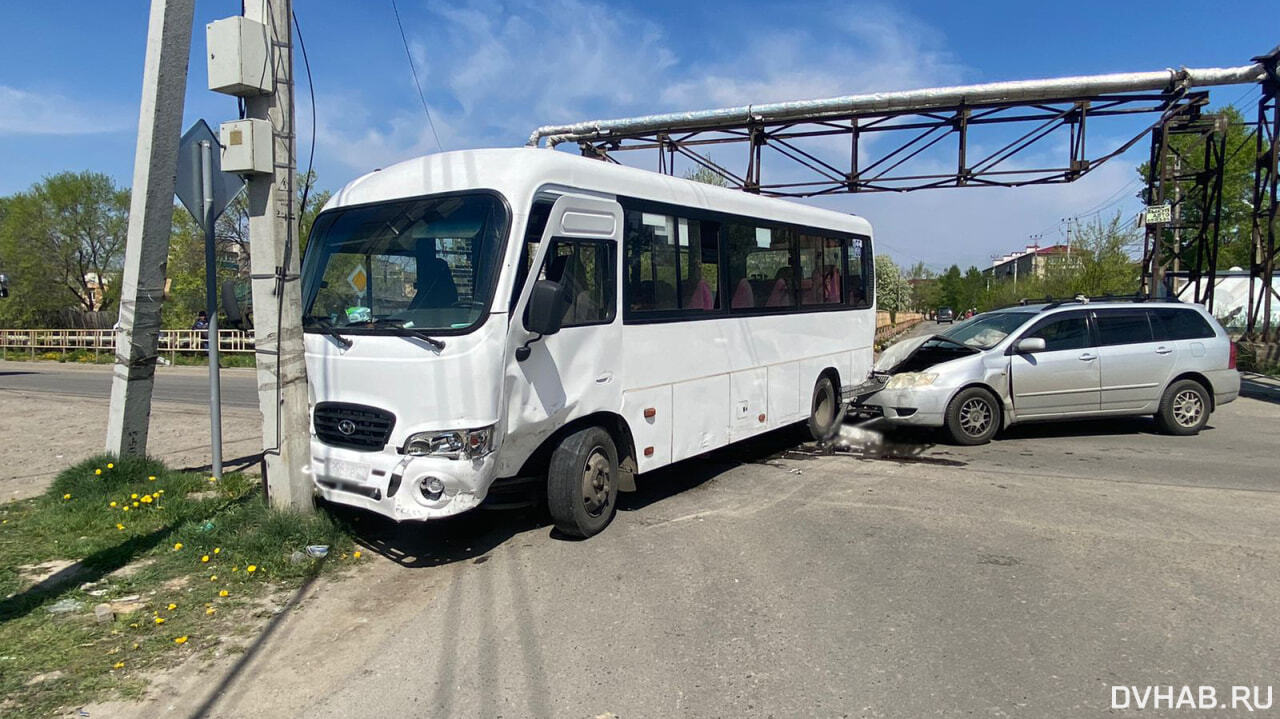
(186, 565)
(237, 359)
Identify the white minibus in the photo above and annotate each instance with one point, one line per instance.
(486, 318)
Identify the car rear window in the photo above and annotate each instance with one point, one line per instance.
(1180, 324)
(1123, 328)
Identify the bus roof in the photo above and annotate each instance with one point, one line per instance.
(517, 173)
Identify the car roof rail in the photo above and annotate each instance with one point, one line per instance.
(1054, 302)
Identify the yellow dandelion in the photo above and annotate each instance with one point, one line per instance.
(205, 558)
(97, 471)
(119, 526)
(180, 640)
(177, 546)
(251, 568)
(217, 550)
(223, 593)
(159, 491)
(113, 504)
(210, 611)
(133, 496)
(146, 499)
(151, 478)
(135, 504)
(213, 578)
(356, 554)
(213, 479)
(172, 606)
(125, 508)
(159, 620)
(67, 496)
(118, 665)
(134, 626)
(110, 465)
(235, 569)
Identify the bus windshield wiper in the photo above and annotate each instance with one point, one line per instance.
(324, 326)
(399, 326)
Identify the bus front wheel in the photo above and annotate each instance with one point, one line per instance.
(582, 482)
(827, 413)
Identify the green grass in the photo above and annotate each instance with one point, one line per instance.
(133, 552)
(238, 359)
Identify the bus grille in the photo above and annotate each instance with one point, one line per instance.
(368, 428)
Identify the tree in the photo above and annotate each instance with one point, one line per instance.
(892, 291)
(705, 175)
(62, 243)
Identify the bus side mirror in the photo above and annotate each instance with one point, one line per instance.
(548, 303)
(1029, 345)
(231, 306)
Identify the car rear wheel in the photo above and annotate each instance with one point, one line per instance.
(973, 417)
(1184, 408)
(582, 483)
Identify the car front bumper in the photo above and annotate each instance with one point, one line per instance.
(916, 406)
(390, 483)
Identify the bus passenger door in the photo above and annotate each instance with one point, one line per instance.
(575, 371)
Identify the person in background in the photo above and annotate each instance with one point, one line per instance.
(202, 323)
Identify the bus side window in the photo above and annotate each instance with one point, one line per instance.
(538, 215)
(585, 268)
(759, 262)
(651, 274)
(860, 285)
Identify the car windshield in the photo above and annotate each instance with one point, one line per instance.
(986, 330)
(428, 264)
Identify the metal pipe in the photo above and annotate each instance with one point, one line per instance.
(211, 302)
(904, 101)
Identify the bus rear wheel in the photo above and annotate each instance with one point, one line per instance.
(582, 483)
(826, 413)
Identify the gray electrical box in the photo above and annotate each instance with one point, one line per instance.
(246, 147)
(239, 57)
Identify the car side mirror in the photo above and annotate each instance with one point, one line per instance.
(1029, 345)
(548, 303)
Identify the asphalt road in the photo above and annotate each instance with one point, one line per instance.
(186, 385)
(1024, 578)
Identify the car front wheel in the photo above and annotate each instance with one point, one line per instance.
(973, 417)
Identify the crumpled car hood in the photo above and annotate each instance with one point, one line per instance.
(896, 354)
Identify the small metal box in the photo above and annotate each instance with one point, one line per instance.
(246, 146)
(239, 57)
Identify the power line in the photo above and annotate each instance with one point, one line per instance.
(311, 92)
(414, 70)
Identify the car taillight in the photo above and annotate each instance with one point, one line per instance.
(1231, 359)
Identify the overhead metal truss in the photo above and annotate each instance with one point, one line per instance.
(893, 142)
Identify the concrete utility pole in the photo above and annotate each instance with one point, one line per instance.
(164, 85)
(277, 291)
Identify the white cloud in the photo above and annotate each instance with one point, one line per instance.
(23, 112)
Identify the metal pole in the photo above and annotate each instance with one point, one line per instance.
(155, 164)
(211, 303)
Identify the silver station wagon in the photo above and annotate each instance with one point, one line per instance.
(1061, 360)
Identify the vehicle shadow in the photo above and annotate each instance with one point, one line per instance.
(1260, 387)
(472, 535)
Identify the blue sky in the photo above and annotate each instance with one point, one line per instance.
(494, 71)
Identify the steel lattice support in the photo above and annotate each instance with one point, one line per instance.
(1263, 266)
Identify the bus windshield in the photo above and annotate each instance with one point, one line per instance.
(428, 264)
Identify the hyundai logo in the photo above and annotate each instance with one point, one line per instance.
(347, 427)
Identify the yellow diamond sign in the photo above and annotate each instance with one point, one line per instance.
(358, 279)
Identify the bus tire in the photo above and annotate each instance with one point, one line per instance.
(582, 483)
(826, 413)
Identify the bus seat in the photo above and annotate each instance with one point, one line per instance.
(781, 294)
(742, 296)
(701, 297)
(435, 286)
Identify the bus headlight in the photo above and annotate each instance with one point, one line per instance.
(454, 443)
(908, 380)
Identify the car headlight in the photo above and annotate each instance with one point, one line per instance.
(453, 443)
(908, 380)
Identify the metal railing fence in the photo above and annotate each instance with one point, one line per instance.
(39, 342)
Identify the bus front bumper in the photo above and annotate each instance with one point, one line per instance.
(393, 484)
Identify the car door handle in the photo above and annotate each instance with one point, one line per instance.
(1088, 357)
(1163, 350)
